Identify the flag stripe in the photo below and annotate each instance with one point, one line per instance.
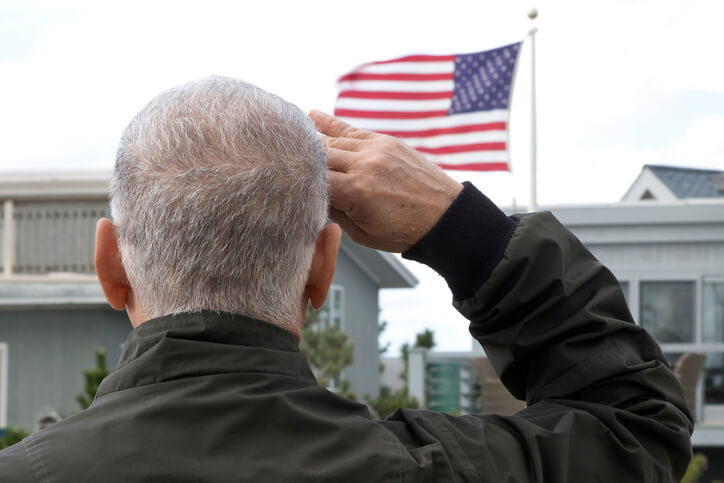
(393, 104)
(484, 166)
(416, 58)
(478, 117)
(464, 148)
(457, 139)
(398, 86)
(469, 157)
(409, 68)
(400, 96)
(452, 108)
(490, 126)
(388, 114)
(361, 76)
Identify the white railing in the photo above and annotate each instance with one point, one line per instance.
(48, 238)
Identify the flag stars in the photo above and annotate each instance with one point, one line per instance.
(482, 80)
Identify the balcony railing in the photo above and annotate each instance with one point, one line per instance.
(48, 237)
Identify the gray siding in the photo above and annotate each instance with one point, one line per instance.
(2, 236)
(48, 350)
(361, 317)
(664, 259)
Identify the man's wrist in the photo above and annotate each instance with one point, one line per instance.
(466, 243)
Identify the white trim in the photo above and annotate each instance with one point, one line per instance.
(55, 185)
(8, 238)
(55, 301)
(52, 277)
(3, 384)
(648, 181)
(342, 308)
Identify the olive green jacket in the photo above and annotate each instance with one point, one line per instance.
(220, 397)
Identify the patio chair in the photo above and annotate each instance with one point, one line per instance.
(689, 369)
(495, 398)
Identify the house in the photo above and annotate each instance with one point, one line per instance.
(53, 315)
(672, 183)
(665, 243)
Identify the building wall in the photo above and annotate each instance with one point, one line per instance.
(51, 341)
(48, 350)
(670, 262)
(361, 317)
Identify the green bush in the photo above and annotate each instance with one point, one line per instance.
(12, 435)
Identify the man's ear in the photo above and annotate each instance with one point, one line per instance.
(324, 262)
(109, 267)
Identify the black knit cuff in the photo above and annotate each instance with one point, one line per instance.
(466, 243)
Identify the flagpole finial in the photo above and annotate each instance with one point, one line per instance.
(532, 14)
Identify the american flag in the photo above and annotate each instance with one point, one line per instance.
(453, 108)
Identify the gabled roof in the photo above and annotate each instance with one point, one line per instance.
(669, 183)
(690, 182)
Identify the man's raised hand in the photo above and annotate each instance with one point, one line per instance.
(385, 195)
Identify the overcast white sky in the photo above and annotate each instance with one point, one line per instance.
(620, 84)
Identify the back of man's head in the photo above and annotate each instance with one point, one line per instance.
(218, 194)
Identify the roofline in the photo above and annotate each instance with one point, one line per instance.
(684, 168)
(390, 272)
(21, 185)
(654, 204)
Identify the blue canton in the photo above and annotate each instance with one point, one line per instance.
(483, 80)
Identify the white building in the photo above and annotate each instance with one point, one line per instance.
(665, 243)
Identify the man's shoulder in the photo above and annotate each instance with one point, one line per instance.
(61, 449)
(16, 465)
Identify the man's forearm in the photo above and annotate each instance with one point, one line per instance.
(555, 325)
(602, 401)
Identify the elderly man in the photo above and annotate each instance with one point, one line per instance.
(217, 244)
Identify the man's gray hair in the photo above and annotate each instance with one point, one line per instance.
(218, 195)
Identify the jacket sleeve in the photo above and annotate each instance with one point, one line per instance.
(602, 403)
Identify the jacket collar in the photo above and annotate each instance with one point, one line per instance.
(203, 343)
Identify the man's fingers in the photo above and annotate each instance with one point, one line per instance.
(339, 160)
(348, 226)
(331, 126)
(346, 144)
(338, 192)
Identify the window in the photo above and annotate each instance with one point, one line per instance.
(667, 310)
(444, 386)
(332, 313)
(3, 385)
(713, 312)
(624, 288)
(714, 378)
(712, 332)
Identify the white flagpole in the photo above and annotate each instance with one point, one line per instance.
(533, 204)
